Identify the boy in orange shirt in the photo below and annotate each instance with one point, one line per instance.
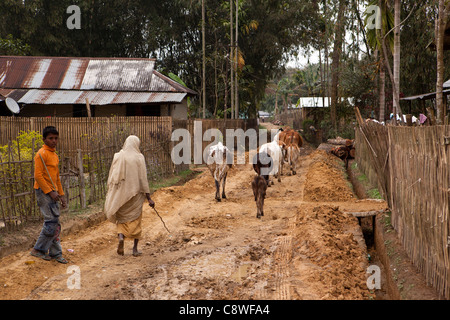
(49, 193)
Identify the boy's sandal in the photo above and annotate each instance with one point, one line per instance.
(39, 254)
(60, 259)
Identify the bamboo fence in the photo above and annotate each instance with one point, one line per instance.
(411, 165)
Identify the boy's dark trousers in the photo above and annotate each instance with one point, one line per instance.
(49, 241)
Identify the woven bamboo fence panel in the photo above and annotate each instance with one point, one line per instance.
(412, 164)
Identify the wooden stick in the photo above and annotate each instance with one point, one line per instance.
(366, 213)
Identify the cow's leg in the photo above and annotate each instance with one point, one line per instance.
(262, 204)
(217, 190)
(258, 205)
(280, 169)
(289, 154)
(223, 185)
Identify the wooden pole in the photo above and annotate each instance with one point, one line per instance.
(231, 60)
(204, 61)
(236, 89)
(88, 108)
(81, 180)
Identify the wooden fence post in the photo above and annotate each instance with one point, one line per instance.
(91, 181)
(81, 180)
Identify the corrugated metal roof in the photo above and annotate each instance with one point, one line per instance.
(425, 96)
(35, 96)
(110, 74)
(118, 75)
(447, 84)
(61, 80)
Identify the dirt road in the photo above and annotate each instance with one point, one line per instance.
(304, 247)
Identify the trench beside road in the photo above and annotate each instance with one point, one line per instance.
(305, 247)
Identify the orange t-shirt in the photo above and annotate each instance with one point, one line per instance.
(41, 179)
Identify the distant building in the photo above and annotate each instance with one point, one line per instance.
(263, 114)
(62, 86)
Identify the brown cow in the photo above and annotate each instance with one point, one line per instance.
(291, 137)
(263, 164)
(259, 186)
(288, 137)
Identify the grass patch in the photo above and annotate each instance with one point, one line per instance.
(170, 181)
(362, 178)
(374, 194)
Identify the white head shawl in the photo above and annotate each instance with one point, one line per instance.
(127, 177)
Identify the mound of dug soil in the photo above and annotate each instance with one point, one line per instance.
(324, 180)
(329, 253)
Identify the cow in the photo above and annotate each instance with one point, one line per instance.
(286, 137)
(293, 154)
(293, 137)
(259, 186)
(262, 164)
(219, 163)
(274, 150)
(290, 136)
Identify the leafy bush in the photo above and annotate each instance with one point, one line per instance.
(24, 144)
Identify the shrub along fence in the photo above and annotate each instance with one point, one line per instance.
(411, 166)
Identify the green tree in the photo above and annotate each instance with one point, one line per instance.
(13, 47)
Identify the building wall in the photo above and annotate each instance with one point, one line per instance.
(37, 110)
(110, 110)
(177, 111)
(165, 110)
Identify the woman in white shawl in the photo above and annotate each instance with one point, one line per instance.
(127, 191)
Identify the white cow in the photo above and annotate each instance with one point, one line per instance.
(275, 151)
(217, 164)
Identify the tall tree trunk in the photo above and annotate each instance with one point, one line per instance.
(276, 102)
(337, 50)
(396, 94)
(391, 75)
(327, 66)
(236, 89)
(216, 84)
(382, 90)
(382, 83)
(225, 103)
(440, 31)
(231, 60)
(204, 60)
(322, 83)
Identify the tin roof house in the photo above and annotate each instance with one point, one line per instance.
(77, 87)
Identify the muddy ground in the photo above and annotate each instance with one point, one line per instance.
(305, 247)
